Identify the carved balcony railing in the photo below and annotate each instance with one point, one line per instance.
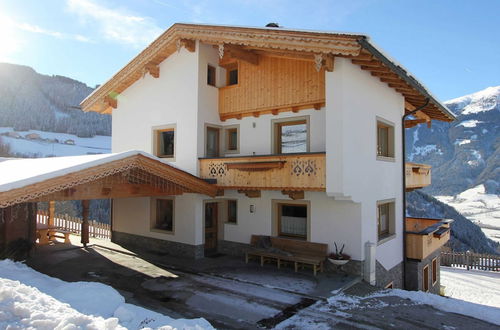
(424, 236)
(288, 172)
(417, 176)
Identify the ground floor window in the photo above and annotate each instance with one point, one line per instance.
(232, 211)
(434, 271)
(292, 220)
(385, 219)
(164, 215)
(425, 278)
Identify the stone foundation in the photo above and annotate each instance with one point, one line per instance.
(155, 245)
(415, 275)
(394, 275)
(232, 248)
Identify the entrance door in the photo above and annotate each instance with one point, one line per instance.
(210, 228)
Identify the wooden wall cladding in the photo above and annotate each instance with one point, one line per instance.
(275, 84)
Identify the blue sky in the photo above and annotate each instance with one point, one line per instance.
(452, 46)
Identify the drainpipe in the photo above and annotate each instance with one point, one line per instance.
(403, 138)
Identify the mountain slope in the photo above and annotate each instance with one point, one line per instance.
(29, 100)
(466, 152)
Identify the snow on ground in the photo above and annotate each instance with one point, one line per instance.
(477, 286)
(29, 299)
(42, 147)
(479, 207)
(487, 313)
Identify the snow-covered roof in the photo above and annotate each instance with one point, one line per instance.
(18, 174)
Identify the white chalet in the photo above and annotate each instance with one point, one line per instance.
(301, 134)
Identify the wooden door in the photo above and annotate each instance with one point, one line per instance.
(211, 212)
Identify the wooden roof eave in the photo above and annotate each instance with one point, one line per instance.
(184, 181)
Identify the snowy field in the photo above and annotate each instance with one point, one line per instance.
(477, 286)
(479, 207)
(97, 144)
(31, 300)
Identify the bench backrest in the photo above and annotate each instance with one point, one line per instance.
(295, 246)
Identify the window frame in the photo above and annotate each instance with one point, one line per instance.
(383, 123)
(277, 124)
(232, 67)
(225, 133)
(391, 225)
(425, 278)
(228, 219)
(277, 226)
(211, 68)
(153, 214)
(219, 130)
(156, 130)
(434, 271)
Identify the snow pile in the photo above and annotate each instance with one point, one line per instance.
(477, 286)
(23, 307)
(486, 313)
(29, 298)
(479, 207)
(470, 123)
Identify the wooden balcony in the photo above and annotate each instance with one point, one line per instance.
(286, 172)
(274, 85)
(424, 236)
(417, 176)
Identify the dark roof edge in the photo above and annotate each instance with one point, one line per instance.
(403, 74)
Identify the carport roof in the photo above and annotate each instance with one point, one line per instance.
(23, 180)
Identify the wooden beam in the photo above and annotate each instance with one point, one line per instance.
(111, 102)
(153, 69)
(294, 194)
(413, 122)
(250, 193)
(375, 64)
(241, 54)
(329, 63)
(376, 69)
(409, 106)
(190, 45)
(85, 223)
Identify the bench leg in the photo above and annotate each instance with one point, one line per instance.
(314, 270)
(321, 267)
(261, 261)
(66, 238)
(279, 263)
(246, 258)
(296, 266)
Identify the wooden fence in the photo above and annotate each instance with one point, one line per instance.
(471, 260)
(74, 224)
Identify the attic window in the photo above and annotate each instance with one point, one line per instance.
(232, 77)
(211, 75)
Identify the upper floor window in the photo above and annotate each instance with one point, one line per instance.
(385, 139)
(232, 74)
(291, 135)
(211, 72)
(212, 142)
(231, 139)
(385, 219)
(164, 140)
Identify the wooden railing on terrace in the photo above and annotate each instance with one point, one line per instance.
(471, 260)
(74, 224)
(424, 236)
(417, 176)
(273, 172)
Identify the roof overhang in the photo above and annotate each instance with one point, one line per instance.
(129, 174)
(311, 43)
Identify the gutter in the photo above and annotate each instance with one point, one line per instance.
(403, 139)
(403, 74)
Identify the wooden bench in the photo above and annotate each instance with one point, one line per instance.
(300, 253)
(59, 233)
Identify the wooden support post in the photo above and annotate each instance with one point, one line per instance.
(52, 210)
(85, 222)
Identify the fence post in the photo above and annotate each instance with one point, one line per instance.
(467, 259)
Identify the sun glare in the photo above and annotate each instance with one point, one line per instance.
(10, 42)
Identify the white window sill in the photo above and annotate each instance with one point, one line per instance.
(160, 231)
(386, 239)
(386, 159)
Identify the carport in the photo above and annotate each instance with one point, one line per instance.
(24, 182)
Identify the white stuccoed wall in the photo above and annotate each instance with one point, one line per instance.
(354, 99)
